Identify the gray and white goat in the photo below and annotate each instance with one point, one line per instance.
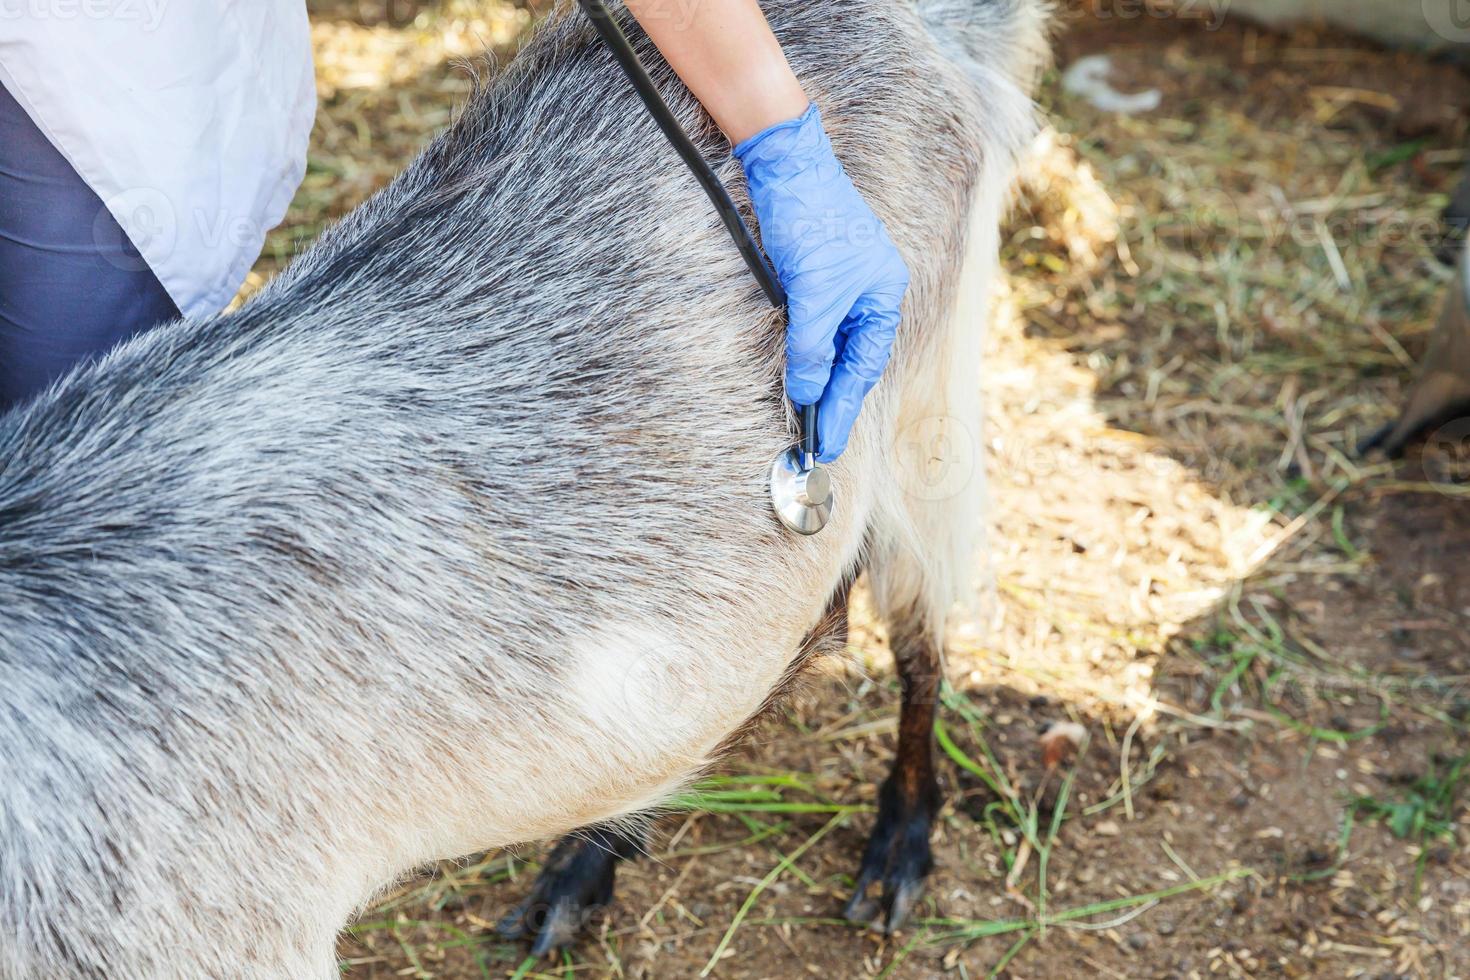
(457, 535)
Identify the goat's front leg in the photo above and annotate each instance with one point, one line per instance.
(575, 882)
(898, 855)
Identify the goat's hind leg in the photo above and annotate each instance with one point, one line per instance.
(898, 858)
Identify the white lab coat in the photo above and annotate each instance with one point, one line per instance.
(188, 118)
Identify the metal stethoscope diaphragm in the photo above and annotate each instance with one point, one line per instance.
(801, 490)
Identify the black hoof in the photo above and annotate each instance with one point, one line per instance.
(897, 858)
(575, 882)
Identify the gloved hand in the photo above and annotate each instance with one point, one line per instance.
(844, 280)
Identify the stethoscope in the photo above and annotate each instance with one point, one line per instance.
(801, 491)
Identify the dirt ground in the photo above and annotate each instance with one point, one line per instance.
(1205, 306)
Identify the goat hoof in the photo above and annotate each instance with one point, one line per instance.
(574, 884)
(897, 859)
(550, 926)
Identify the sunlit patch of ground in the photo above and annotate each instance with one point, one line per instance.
(1103, 545)
(1205, 307)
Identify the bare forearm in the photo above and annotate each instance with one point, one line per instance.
(725, 53)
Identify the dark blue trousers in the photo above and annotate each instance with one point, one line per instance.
(71, 284)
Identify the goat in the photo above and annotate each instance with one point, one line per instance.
(392, 564)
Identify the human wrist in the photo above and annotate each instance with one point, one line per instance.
(769, 94)
(785, 148)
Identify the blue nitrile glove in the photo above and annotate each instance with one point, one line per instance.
(844, 280)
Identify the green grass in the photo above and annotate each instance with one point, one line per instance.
(758, 794)
(1424, 811)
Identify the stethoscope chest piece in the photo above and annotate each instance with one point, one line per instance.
(801, 494)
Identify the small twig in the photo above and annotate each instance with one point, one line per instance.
(1123, 919)
(1125, 770)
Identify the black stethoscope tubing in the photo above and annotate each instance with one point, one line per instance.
(617, 42)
